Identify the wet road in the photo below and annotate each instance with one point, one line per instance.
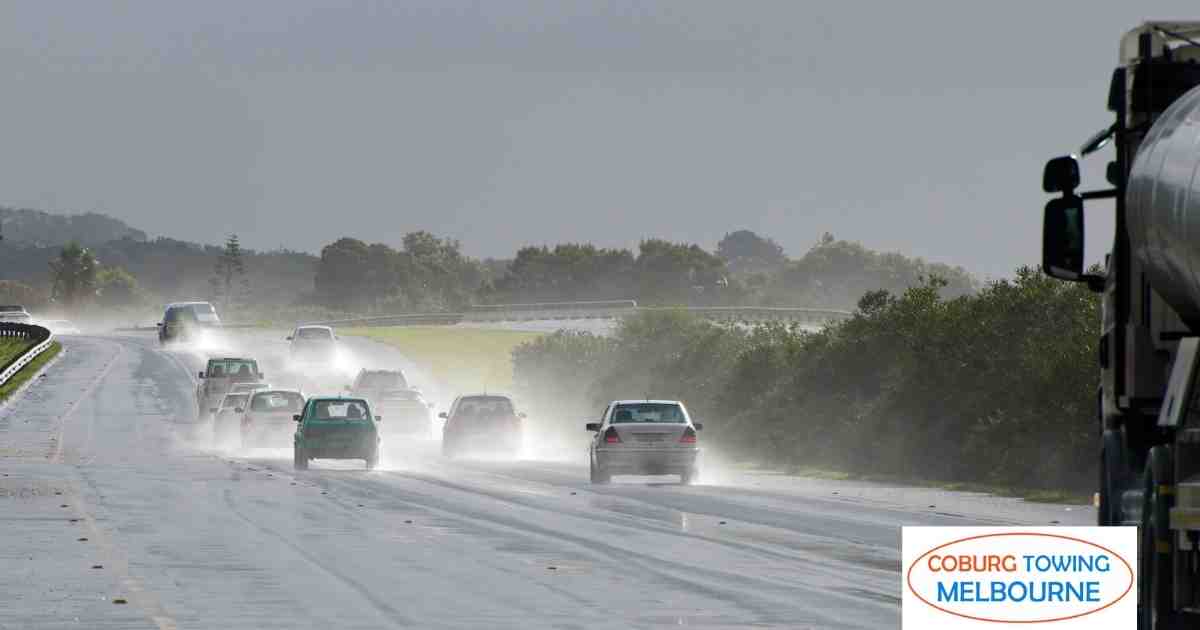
(116, 512)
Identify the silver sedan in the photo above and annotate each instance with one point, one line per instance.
(644, 437)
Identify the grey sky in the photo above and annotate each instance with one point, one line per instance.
(913, 126)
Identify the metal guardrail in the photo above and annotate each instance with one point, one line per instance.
(592, 310)
(39, 335)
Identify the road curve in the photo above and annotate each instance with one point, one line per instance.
(104, 466)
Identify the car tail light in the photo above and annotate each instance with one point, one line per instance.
(611, 437)
(688, 437)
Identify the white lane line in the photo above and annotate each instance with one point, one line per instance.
(113, 558)
(56, 455)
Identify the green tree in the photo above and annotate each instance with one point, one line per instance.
(74, 276)
(229, 282)
(747, 252)
(341, 280)
(117, 288)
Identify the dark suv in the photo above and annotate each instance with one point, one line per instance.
(182, 321)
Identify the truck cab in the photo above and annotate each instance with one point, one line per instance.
(1148, 401)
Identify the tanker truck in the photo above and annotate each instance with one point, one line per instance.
(1148, 403)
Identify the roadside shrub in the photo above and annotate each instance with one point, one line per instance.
(995, 387)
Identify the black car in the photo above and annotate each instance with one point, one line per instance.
(184, 321)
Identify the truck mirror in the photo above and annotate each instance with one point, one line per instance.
(296, 417)
(1061, 175)
(1062, 238)
(202, 375)
(592, 426)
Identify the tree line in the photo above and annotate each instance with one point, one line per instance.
(428, 273)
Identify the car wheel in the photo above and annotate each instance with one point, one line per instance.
(688, 477)
(599, 475)
(299, 460)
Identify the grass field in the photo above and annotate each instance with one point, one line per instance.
(28, 371)
(462, 358)
(11, 347)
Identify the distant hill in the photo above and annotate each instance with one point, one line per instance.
(42, 229)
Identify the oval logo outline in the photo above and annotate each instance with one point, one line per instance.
(1128, 569)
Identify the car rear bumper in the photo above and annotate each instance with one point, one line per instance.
(268, 434)
(646, 461)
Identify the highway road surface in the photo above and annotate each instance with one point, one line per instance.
(116, 511)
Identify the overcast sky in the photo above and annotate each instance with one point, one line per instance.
(918, 126)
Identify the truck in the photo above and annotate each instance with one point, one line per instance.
(218, 377)
(1148, 398)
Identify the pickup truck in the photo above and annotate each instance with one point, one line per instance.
(219, 377)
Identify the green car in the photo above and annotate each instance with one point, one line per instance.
(335, 428)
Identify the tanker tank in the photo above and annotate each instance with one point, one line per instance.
(1163, 206)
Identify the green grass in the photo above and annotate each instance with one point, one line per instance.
(11, 347)
(464, 359)
(28, 371)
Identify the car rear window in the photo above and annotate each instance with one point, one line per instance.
(277, 401)
(309, 334)
(339, 410)
(383, 380)
(233, 400)
(648, 412)
(484, 406)
(218, 368)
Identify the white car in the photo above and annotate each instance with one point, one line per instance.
(61, 327)
(16, 314)
(226, 416)
(644, 437)
(267, 420)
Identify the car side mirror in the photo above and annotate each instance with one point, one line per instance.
(1062, 238)
(593, 426)
(443, 415)
(698, 425)
(296, 417)
(288, 338)
(1061, 175)
(262, 375)
(158, 324)
(378, 418)
(201, 374)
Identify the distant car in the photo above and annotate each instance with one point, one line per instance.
(267, 420)
(408, 412)
(335, 428)
(644, 437)
(226, 416)
(15, 313)
(482, 423)
(313, 344)
(187, 321)
(219, 376)
(61, 327)
(370, 384)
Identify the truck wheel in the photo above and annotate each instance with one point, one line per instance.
(299, 460)
(1156, 546)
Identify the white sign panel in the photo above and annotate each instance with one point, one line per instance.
(1051, 578)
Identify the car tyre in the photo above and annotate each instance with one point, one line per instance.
(688, 477)
(299, 459)
(599, 475)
